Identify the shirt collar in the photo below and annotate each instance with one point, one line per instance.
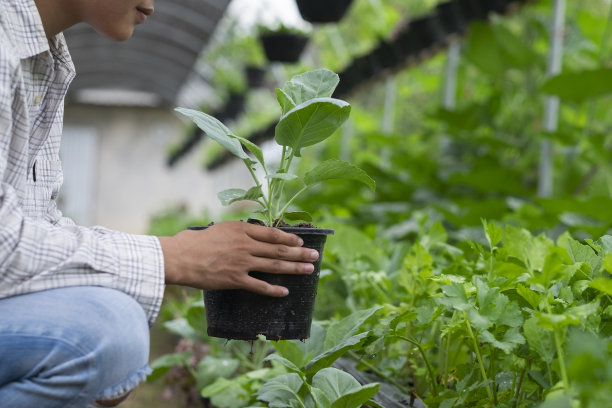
(28, 30)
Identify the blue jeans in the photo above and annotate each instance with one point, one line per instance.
(69, 347)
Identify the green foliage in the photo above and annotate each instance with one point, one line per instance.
(454, 282)
(310, 116)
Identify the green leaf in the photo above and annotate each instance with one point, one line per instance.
(539, 339)
(494, 49)
(347, 327)
(583, 253)
(493, 233)
(356, 398)
(510, 340)
(284, 100)
(182, 328)
(454, 297)
(529, 295)
(196, 317)
(253, 148)
(210, 368)
(290, 351)
(225, 393)
(327, 358)
(164, 363)
(300, 352)
(311, 122)
(539, 378)
(215, 130)
(321, 399)
(319, 83)
(297, 216)
(337, 169)
(334, 383)
(280, 390)
(576, 315)
(232, 195)
(288, 364)
(579, 86)
(602, 284)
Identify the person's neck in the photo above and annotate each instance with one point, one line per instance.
(55, 16)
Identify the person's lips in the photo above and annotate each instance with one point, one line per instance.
(143, 13)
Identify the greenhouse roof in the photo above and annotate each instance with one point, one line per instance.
(151, 67)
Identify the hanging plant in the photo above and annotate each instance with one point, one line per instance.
(323, 11)
(283, 45)
(451, 17)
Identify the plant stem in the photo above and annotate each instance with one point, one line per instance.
(478, 356)
(492, 372)
(518, 387)
(559, 349)
(258, 184)
(432, 377)
(444, 370)
(561, 360)
(282, 211)
(379, 372)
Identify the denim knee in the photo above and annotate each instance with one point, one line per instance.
(68, 347)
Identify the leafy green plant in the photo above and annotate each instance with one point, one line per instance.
(279, 28)
(309, 116)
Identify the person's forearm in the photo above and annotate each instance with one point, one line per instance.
(222, 256)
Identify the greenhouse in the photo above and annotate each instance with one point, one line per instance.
(445, 163)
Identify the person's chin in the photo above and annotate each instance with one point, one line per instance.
(118, 34)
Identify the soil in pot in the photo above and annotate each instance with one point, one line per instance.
(323, 11)
(242, 315)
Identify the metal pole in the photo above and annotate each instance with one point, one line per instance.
(449, 96)
(551, 107)
(449, 87)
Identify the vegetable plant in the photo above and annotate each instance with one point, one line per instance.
(309, 116)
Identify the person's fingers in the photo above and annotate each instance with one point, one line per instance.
(280, 266)
(284, 252)
(264, 288)
(272, 235)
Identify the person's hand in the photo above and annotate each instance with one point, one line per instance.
(221, 257)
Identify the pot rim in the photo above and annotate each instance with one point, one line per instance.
(290, 229)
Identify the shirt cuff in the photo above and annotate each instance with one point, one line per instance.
(145, 261)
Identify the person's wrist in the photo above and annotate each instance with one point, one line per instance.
(168, 249)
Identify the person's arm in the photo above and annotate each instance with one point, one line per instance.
(38, 253)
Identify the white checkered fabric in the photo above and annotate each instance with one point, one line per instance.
(40, 249)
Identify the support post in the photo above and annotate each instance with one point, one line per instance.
(551, 107)
(449, 87)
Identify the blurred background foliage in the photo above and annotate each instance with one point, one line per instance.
(440, 171)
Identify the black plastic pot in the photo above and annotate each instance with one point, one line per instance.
(255, 76)
(451, 17)
(232, 108)
(283, 47)
(495, 6)
(242, 315)
(422, 34)
(472, 10)
(323, 11)
(387, 56)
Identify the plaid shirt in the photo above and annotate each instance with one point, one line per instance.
(40, 249)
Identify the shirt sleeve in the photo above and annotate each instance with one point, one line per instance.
(36, 255)
(39, 254)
